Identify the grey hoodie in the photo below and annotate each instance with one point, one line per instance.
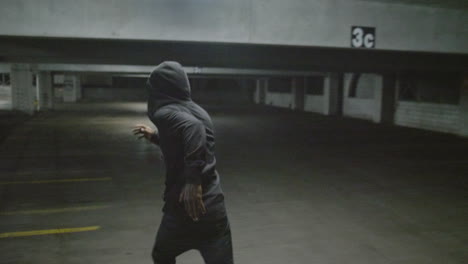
(186, 139)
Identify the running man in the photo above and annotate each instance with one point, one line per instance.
(194, 211)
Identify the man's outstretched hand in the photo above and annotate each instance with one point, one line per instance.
(191, 196)
(143, 131)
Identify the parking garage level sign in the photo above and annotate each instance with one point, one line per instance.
(363, 37)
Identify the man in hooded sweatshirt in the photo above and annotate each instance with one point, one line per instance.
(194, 212)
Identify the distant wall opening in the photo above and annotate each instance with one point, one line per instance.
(105, 87)
(440, 88)
(222, 91)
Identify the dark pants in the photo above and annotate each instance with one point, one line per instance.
(176, 236)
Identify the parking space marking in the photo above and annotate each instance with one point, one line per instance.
(49, 232)
(70, 180)
(55, 210)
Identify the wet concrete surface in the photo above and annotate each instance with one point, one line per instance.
(300, 188)
(9, 120)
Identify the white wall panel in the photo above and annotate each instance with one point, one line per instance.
(284, 100)
(325, 23)
(436, 117)
(315, 103)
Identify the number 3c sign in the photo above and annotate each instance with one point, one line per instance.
(363, 37)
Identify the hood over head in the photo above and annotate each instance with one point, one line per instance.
(168, 83)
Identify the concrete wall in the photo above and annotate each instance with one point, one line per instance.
(297, 22)
(256, 95)
(23, 93)
(283, 100)
(359, 107)
(448, 118)
(442, 117)
(312, 103)
(278, 99)
(315, 103)
(436, 117)
(5, 97)
(72, 88)
(46, 96)
(319, 103)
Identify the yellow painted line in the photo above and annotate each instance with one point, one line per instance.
(55, 210)
(57, 181)
(49, 232)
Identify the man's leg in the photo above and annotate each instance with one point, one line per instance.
(218, 250)
(170, 241)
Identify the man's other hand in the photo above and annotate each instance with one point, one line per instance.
(191, 196)
(143, 131)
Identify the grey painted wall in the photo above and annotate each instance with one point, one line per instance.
(324, 23)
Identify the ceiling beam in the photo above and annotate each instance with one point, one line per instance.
(144, 70)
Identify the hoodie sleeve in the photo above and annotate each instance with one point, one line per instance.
(155, 138)
(194, 141)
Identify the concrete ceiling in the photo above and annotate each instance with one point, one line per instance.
(454, 4)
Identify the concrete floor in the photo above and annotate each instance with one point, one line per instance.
(300, 188)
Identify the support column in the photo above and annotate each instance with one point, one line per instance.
(256, 95)
(46, 98)
(334, 94)
(260, 91)
(378, 99)
(388, 99)
(299, 93)
(78, 87)
(464, 108)
(22, 88)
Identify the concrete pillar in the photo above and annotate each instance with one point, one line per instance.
(299, 93)
(333, 93)
(46, 96)
(23, 91)
(464, 108)
(79, 89)
(388, 99)
(327, 96)
(260, 91)
(378, 99)
(72, 88)
(256, 95)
